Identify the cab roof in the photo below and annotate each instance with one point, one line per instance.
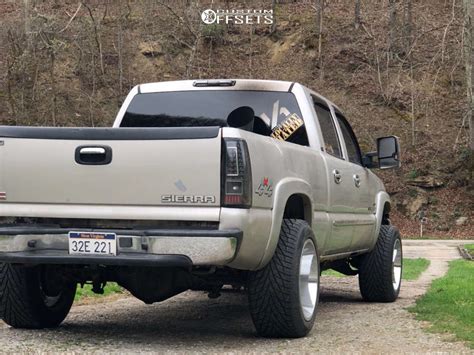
(216, 84)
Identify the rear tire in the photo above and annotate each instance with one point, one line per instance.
(284, 294)
(380, 270)
(34, 297)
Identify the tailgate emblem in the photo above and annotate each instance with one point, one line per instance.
(187, 199)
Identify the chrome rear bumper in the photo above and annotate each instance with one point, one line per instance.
(42, 245)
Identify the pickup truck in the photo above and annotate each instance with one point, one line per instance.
(199, 185)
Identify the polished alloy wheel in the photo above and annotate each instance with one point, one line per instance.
(308, 279)
(396, 264)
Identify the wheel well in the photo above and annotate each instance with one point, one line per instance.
(386, 213)
(299, 207)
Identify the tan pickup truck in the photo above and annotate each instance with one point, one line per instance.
(198, 185)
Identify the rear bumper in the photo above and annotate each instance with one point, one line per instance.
(181, 248)
(60, 257)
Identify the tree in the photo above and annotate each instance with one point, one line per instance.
(97, 34)
(392, 27)
(408, 25)
(319, 32)
(468, 7)
(273, 28)
(357, 15)
(26, 10)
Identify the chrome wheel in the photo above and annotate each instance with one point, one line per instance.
(308, 279)
(397, 264)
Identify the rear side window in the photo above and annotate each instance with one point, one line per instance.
(331, 141)
(352, 146)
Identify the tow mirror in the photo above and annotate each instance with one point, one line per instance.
(388, 154)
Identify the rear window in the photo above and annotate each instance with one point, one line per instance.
(206, 107)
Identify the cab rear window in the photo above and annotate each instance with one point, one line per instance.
(206, 107)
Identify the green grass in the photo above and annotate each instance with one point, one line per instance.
(449, 303)
(470, 249)
(86, 291)
(412, 269)
(331, 272)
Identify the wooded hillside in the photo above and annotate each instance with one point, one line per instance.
(394, 67)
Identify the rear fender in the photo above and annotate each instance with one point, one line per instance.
(381, 199)
(284, 189)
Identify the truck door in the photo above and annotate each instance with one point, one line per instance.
(363, 216)
(339, 182)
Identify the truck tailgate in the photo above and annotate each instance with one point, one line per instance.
(149, 166)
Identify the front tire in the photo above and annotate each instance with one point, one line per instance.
(380, 271)
(34, 297)
(284, 294)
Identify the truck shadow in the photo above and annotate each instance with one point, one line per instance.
(190, 319)
(339, 295)
(340, 289)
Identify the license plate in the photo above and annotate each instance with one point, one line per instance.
(91, 243)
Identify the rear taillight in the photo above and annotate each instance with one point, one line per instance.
(236, 190)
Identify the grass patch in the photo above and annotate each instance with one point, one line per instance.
(86, 291)
(331, 272)
(449, 303)
(470, 249)
(412, 269)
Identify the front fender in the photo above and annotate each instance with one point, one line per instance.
(282, 192)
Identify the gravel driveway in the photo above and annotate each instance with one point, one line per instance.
(192, 322)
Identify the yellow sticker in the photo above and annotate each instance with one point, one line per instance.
(287, 128)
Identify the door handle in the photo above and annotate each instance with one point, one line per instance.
(92, 150)
(356, 180)
(337, 176)
(93, 155)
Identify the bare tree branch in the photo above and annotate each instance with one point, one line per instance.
(180, 19)
(96, 37)
(72, 18)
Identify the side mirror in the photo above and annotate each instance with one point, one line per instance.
(388, 154)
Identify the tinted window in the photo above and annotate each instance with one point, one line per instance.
(205, 107)
(352, 146)
(331, 142)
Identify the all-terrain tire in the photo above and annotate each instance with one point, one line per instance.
(377, 280)
(25, 302)
(274, 291)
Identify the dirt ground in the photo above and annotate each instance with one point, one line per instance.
(192, 322)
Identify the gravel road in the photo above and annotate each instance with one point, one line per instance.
(192, 322)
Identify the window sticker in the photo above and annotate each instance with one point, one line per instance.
(276, 112)
(288, 127)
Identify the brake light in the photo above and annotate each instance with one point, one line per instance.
(236, 188)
